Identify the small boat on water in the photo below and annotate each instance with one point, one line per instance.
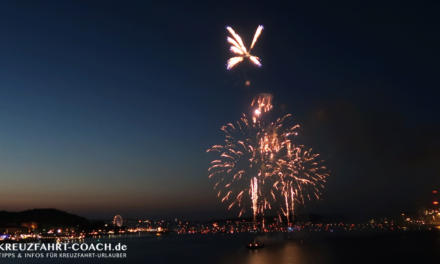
(254, 245)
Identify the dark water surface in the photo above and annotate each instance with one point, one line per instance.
(397, 247)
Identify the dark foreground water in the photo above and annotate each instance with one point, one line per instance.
(397, 247)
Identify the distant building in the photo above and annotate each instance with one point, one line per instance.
(13, 230)
(432, 212)
(434, 200)
(30, 225)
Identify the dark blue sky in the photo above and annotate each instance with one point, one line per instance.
(108, 107)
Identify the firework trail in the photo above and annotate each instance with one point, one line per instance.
(246, 160)
(234, 60)
(257, 34)
(239, 48)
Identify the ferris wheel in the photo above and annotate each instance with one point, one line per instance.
(117, 221)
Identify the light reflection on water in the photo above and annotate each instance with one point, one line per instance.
(222, 249)
(291, 252)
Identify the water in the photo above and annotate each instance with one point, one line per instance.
(397, 247)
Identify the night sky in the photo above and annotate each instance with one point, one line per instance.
(108, 107)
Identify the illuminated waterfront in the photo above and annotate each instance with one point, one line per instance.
(216, 227)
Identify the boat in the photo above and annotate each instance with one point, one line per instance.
(254, 245)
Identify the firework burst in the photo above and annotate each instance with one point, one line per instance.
(299, 175)
(245, 165)
(258, 163)
(239, 48)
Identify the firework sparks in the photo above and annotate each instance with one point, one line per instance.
(257, 34)
(234, 60)
(264, 102)
(244, 167)
(239, 48)
(299, 174)
(255, 60)
(236, 50)
(237, 38)
(237, 167)
(257, 159)
(254, 196)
